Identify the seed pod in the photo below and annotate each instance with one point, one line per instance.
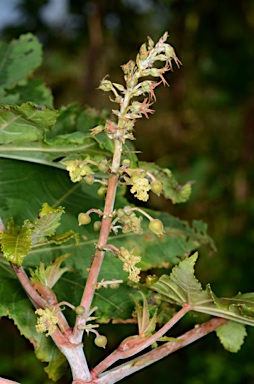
(156, 187)
(156, 227)
(83, 219)
(102, 191)
(89, 179)
(101, 341)
(97, 226)
(103, 166)
(79, 310)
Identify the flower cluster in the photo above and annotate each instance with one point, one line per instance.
(78, 169)
(130, 110)
(140, 184)
(47, 320)
(129, 220)
(129, 260)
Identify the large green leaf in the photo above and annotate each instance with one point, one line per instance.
(24, 138)
(25, 123)
(183, 287)
(18, 59)
(26, 186)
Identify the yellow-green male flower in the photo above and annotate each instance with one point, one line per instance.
(47, 320)
(129, 261)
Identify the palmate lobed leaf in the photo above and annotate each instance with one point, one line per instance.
(183, 287)
(53, 185)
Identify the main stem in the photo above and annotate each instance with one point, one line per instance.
(89, 290)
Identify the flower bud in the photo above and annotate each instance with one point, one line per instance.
(126, 163)
(151, 279)
(120, 213)
(106, 85)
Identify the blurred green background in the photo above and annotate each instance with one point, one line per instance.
(203, 130)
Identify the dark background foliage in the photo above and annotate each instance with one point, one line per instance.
(203, 130)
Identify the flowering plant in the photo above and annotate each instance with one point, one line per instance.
(97, 150)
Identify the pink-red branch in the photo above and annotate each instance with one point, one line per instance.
(164, 350)
(133, 345)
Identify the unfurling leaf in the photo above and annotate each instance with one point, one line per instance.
(231, 335)
(52, 273)
(146, 326)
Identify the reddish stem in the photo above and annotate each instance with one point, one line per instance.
(132, 366)
(133, 345)
(91, 282)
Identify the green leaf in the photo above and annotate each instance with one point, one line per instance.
(16, 243)
(240, 305)
(19, 59)
(53, 185)
(46, 223)
(183, 287)
(30, 90)
(231, 335)
(35, 142)
(28, 122)
(171, 188)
